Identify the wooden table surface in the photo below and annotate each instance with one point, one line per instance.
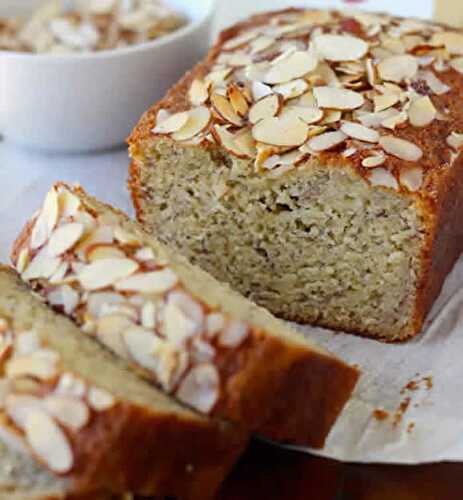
(270, 473)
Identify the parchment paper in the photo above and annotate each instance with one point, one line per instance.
(408, 406)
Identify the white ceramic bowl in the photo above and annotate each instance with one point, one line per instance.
(89, 102)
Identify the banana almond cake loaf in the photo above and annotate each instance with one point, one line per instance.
(74, 419)
(178, 327)
(313, 162)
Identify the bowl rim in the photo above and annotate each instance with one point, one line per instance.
(119, 52)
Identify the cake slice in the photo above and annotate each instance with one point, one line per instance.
(194, 337)
(74, 419)
(313, 161)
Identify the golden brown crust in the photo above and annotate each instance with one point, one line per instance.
(131, 447)
(259, 380)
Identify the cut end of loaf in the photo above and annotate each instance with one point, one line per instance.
(317, 245)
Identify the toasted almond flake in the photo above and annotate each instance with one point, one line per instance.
(177, 326)
(39, 234)
(70, 412)
(340, 47)
(422, 112)
(382, 177)
(153, 282)
(294, 66)
(395, 120)
(245, 141)
(398, 68)
(31, 366)
(148, 315)
(326, 141)
(405, 150)
(360, 132)
(293, 89)
(97, 302)
(141, 343)
(236, 60)
(23, 260)
(225, 109)
(215, 323)
(41, 266)
(19, 406)
(261, 43)
(411, 178)
(266, 107)
(103, 251)
(340, 99)
(349, 152)
(200, 388)
(218, 76)
(49, 442)
(64, 238)
(374, 120)
(100, 400)
(69, 204)
(284, 131)
(455, 140)
(457, 64)
(307, 114)
(106, 272)
(228, 141)
(234, 334)
(237, 100)
(198, 93)
(451, 40)
(26, 343)
(64, 296)
(198, 120)
(385, 101)
(46, 220)
(239, 41)
(145, 254)
(374, 161)
(70, 385)
(436, 85)
(59, 275)
(260, 90)
(173, 123)
(109, 332)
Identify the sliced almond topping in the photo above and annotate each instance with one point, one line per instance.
(289, 159)
(23, 260)
(228, 141)
(107, 272)
(97, 302)
(19, 406)
(374, 161)
(340, 47)
(215, 323)
(224, 108)
(293, 89)
(334, 98)
(70, 412)
(412, 178)
(326, 141)
(200, 388)
(177, 326)
(237, 100)
(103, 251)
(360, 132)
(260, 90)
(395, 120)
(148, 315)
(64, 238)
(385, 101)
(198, 121)
(262, 43)
(198, 93)
(245, 141)
(398, 68)
(218, 76)
(284, 131)
(100, 400)
(65, 297)
(31, 366)
(267, 107)
(234, 334)
(294, 66)
(49, 442)
(70, 385)
(451, 40)
(26, 343)
(109, 332)
(455, 140)
(69, 204)
(41, 266)
(422, 112)
(141, 344)
(239, 41)
(405, 150)
(173, 123)
(46, 220)
(382, 177)
(457, 64)
(437, 87)
(153, 282)
(305, 113)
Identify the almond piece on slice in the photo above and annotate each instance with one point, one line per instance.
(100, 400)
(457, 64)
(294, 66)
(340, 99)
(405, 150)
(49, 442)
(234, 334)
(437, 86)
(455, 140)
(326, 141)
(46, 221)
(19, 406)
(360, 132)
(292, 89)
(422, 112)
(106, 272)
(385, 101)
(69, 204)
(153, 282)
(198, 93)
(239, 41)
(109, 332)
(245, 141)
(64, 238)
(225, 110)
(260, 90)
(171, 124)
(198, 120)
(41, 266)
(73, 413)
(237, 100)
(65, 297)
(267, 107)
(141, 344)
(451, 40)
(305, 113)
(286, 131)
(339, 48)
(101, 251)
(398, 68)
(382, 177)
(200, 389)
(411, 178)
(228, 141)
(31, 366)
(177, 326)
(374, 161)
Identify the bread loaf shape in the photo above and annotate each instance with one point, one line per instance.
(75, 420)
(313, 161)
(194, 337)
